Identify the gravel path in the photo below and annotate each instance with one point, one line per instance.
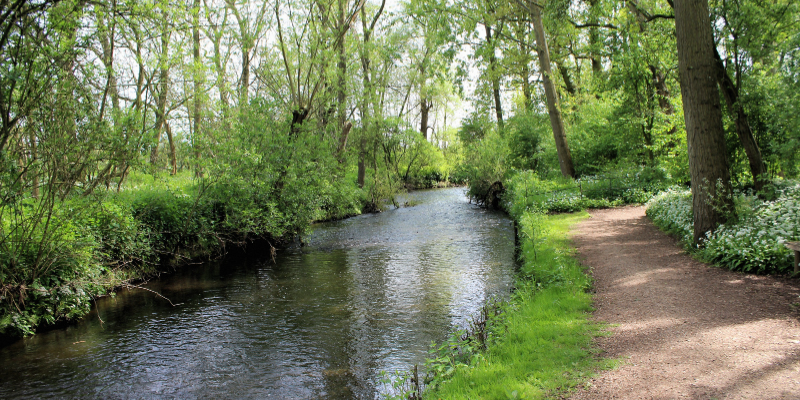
(681, 328)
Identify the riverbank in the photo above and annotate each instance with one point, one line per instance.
(363, 295)
(57, 256)
(541, 345)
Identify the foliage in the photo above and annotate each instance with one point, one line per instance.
(753, 243)
(671, 211)
(51, 263)
(526, 191)
(487, 166)
(526, 134)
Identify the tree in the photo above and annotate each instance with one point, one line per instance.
(712, 200)
(556, 121)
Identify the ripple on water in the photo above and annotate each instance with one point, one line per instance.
(367, 294)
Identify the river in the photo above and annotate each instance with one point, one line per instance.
(364, 295)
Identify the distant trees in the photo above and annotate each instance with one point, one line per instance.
(90, 91)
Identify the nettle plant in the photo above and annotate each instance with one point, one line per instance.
(753, 243)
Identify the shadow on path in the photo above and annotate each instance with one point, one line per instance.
(682, 328)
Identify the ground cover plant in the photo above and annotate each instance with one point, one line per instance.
(752, 241)
(635, 186)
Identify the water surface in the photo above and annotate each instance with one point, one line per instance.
(365, 295)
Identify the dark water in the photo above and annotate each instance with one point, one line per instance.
(366, 295)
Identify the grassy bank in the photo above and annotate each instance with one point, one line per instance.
(57, 255)
(541, 345)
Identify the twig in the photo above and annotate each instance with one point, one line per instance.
(129, 286)
(98, 312)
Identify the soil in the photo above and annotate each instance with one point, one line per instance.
(682, 328)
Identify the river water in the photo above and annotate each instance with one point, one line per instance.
(364, 295)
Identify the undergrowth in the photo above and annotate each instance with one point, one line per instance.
(752, 241)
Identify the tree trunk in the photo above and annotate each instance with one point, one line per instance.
(368, 98)
(564, 71)
(594, 40)
(106, 44)
(244, 88)
(362, 170)
(424, 113)
(708, 162)
(521, 30)
(498, 106)
(557, 123)
(731, 95)
(526, 86)
(173, 156)
(197, 74)
(658, 78)
(161, 101)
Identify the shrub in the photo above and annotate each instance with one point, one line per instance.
(487, 168)
(528, 191)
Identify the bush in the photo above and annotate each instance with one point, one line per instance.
(755, 243)
(672, 212)
(486, 168)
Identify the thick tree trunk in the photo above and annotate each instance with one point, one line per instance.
(731, 95)
(557, 123)
(708, 162)
(362, 171)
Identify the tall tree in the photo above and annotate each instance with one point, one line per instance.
(708, 162)
(553, 109)
(494, 74)
(198, 79)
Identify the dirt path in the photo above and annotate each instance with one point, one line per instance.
(683, 329)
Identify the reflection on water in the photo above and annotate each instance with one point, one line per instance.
(365, 295)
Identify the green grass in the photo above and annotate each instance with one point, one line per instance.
(543, 342)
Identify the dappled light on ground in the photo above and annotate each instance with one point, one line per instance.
(684, 329)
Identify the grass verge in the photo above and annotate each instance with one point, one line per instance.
(541, 346)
